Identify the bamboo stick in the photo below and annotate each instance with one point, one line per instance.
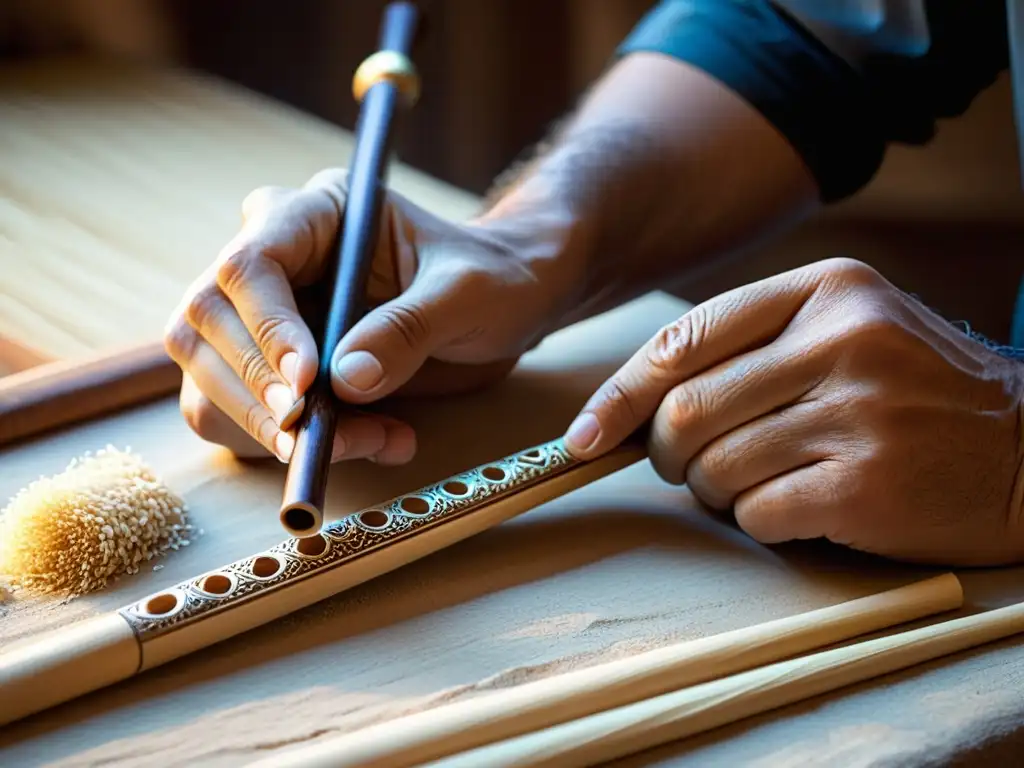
(447, 730)
(623, 731)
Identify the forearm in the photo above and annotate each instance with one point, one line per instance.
(661, 168)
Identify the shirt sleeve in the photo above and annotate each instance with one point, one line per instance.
(839, 113)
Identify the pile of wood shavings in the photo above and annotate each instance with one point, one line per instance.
(102, 517)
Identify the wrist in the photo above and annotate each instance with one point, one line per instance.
(552, 242)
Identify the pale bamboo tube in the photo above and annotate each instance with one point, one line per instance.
(616, 733)
(225, 602)
(444, 731)
(88, 655)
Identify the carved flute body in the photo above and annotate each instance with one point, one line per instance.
(296, 573)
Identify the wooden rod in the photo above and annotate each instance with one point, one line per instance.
(482, 720)
(61, 393)
(16, 357)
(663, 719)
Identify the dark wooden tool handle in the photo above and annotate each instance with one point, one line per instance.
(59, 394)
(399, 30)
(306, 482)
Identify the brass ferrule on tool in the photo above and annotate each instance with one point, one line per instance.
(393, 67)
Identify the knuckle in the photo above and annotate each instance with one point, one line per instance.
(236, 265)
(674, 342)
(830, 495)
(682, 407)
(205, 306)
(179, 340)
(261, 199)
(407, 321)
(848, 271)
(258, 422)
(270, 330)
(713, 464)
(870, 340)
(331, 179)
(617, 398)
(471, 281)
(253, 367)
(202, 417)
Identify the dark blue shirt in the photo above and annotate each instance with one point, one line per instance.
(839, 118)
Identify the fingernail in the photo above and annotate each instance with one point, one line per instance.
(289, 368)
(583, 433)
(284, 444)
(360, 370)
(293, 414)
(279, 400)
(339, 448)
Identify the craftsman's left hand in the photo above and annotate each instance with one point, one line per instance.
(824, 402)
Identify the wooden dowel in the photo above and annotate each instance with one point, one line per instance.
(653, 722)
(15, 357)
(61, 393)
(482, 720)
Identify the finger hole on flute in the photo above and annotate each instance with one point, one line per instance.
(312, 546)
(417, 506)
(218, 584)
(266, 566)
(374, 519)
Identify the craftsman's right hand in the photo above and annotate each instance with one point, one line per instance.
(454, 306)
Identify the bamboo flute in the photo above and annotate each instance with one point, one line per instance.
(493, 718)
(50, 669)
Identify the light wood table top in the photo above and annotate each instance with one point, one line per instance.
(119, 185)
(134, 184)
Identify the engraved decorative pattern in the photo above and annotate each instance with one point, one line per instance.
(345, 540)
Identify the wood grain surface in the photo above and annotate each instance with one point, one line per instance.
(119, 185)
(624, 565)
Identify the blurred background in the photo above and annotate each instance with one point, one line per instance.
(495, 72)
(943, 222)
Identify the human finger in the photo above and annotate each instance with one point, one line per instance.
(717, 401)
(398, 446)
(211, 424)
(723, 327)
(383, 439)
(213, 316)
(284, 241)
(219, 384)
(804, 503)
(387, 347)
(755, 452)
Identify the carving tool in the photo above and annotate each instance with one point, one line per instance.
(383, 84)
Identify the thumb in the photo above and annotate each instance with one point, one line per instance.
(391, 343)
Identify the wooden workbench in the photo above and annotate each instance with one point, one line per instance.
(625, 564)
